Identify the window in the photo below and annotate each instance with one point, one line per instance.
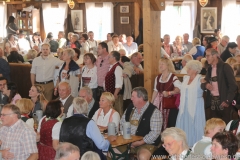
(177, 20)
(3, 21)
(230, 19)
(99, 19)
(54, 18)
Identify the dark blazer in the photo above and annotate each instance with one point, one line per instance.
(67, 104)
(227, 85)
(225, 55)
(94, 109)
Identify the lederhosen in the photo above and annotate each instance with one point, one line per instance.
(215, 100)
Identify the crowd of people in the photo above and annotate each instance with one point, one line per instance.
(80, 86)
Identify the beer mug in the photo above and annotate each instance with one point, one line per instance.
(111, 129)
(127, 130)
(39, 114)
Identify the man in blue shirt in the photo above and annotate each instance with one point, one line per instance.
(82, 131)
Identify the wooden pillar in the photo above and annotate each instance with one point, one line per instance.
(151, 44)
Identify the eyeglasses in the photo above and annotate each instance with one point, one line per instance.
(3, 115)
(168, 144)
(101, 63)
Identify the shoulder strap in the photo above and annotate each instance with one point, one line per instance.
(83, 69)
(110, 117)
(99, 111)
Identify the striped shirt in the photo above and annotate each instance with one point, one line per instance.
(155, 124)
(102, 69)
(20, 138)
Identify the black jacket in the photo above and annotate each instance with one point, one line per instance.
(227, 85)
(225, 55)
(93, 109)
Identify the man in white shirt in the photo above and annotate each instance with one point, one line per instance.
(114, 80)
(188, 44)
(92, 43)
(42, 71)
(23, 44)
(223, 44)
(64, 90)
(61, 40)
(115, 45)
(131, 47)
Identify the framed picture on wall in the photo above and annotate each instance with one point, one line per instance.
(124, 20)
(208, 19)
(77, 20)
(124, 9)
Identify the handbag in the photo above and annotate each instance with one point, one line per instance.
(169, 102)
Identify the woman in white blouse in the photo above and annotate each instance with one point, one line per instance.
(11, 43)
(106, 113)
(89, 73)
(68, 70)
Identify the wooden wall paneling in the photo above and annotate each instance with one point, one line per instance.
(137, 16)
(80, 6)
(124, 28)
(151, 43)
(212, 3)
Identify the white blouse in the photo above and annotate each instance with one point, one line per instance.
(176, 83)
(103, 120)
(89, 77)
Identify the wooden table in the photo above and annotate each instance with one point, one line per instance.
(121, 141)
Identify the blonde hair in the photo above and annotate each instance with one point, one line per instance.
(41, 98)
(187, 57)
(178, 37)
(169, 63)
(90, 155)
(32, 53)
(80, 105)
(177, 134)
(231, 61)
(236, 67)
(109, 96)
(203, 61)
(25, 105)
(196, 41)
(70, 34)
(212, 123)
(70, 52)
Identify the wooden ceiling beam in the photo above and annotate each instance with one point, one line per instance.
(140, 4)
(99, 1)
(158, 5)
